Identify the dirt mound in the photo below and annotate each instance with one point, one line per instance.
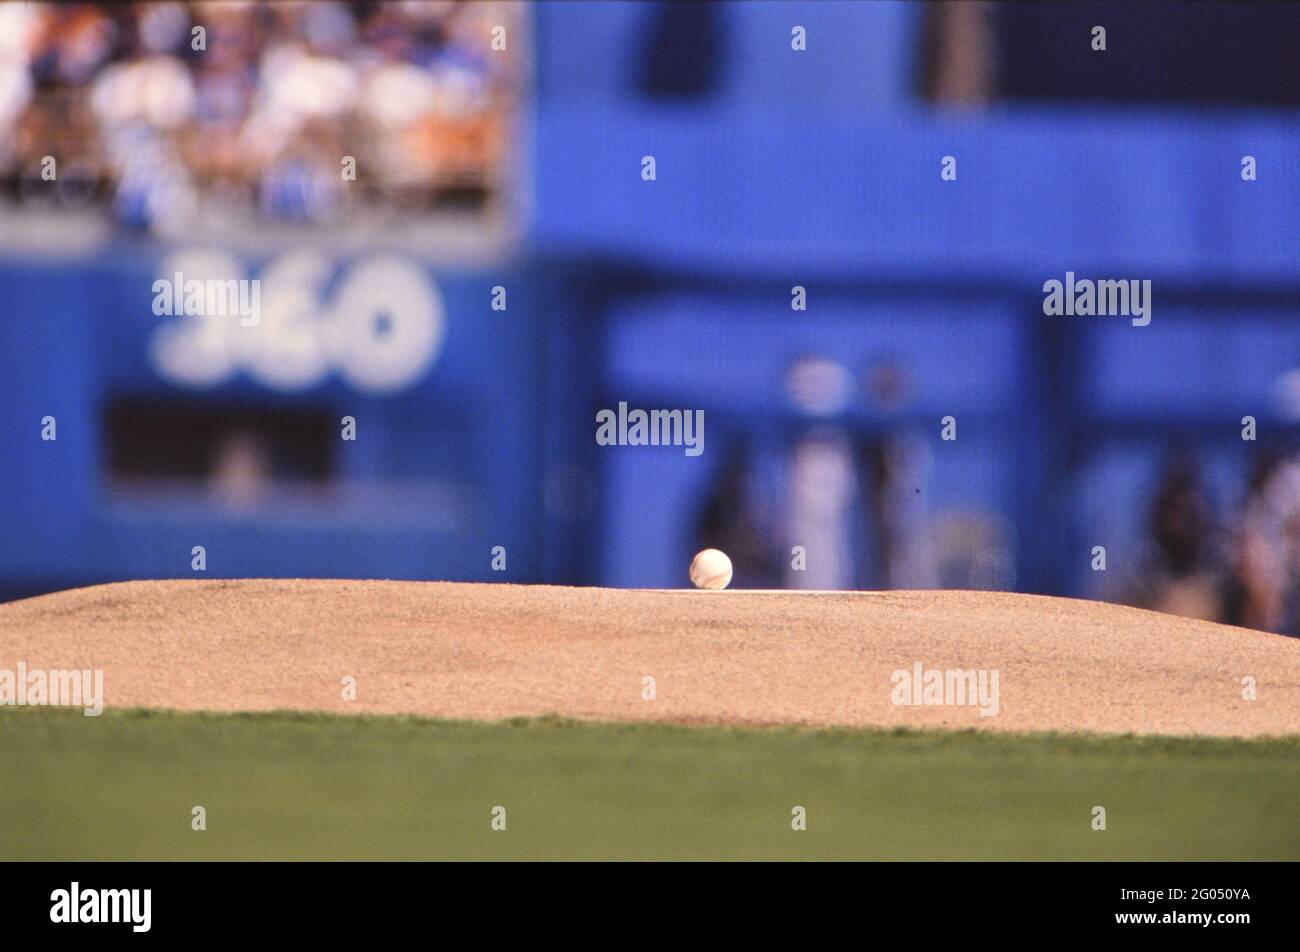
(492, 651)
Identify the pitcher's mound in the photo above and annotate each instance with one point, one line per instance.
(492, 651)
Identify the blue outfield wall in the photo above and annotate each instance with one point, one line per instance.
(1059, 412)
(448, 460)
(817, 171)
(599, 52)
(816, 194)
(1064, 423)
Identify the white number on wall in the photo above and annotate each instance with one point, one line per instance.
(381, 332)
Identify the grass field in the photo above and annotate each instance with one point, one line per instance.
(293, 786)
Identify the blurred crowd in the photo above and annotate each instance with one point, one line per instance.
(831, 509)
(255, 112)
(1243, 570)
(859, 505)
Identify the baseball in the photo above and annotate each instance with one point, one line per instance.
(711, 569)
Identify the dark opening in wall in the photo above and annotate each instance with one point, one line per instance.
(684, 52)
(216, 445)
(1232, 53)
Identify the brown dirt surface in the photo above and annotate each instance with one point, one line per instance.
(493, 651)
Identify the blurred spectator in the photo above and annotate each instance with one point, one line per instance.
(1262, 591)
(733, 519)
(1179, 575)
(822, 484)
(17, 28)
(905, 554)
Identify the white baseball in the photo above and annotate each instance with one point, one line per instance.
(711, 569)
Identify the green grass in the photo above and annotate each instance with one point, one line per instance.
(291, 786)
